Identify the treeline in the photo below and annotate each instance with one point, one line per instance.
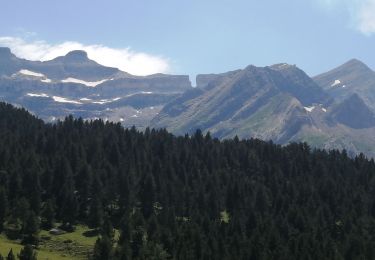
(188, 197)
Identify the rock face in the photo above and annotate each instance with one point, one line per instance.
(210, 80)
(74, 84)
(9, 63)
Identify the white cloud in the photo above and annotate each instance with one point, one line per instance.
(366, 17)
(126, 59)
(362, 12)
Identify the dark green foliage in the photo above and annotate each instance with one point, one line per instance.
(95, 218)
(3, 207)
(106, 229)
(31, 229)
(11, 255)
(27, 253)
(103, 249)
(48, 214)
(190, 197)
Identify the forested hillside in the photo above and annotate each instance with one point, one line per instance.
(188, 197)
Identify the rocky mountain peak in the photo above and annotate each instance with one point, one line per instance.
(5, 52)
(355, 65)
(282, 66)
(76, 56)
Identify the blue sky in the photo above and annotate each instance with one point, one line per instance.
(191, 37)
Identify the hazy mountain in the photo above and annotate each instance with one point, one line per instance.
(354, 113)
(75, 64)
(74, 84)
(279, 103)
(243, 102)
(349, 78)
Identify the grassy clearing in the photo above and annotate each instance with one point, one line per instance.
(43, 254)
(74, 246)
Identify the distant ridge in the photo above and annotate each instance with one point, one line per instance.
(334, 110)
(75, 84)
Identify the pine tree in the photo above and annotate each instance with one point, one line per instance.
(31, 229)
(154, 251)
(147, 195)
(31, 184)
(48, 214)
(83, 183)
(15, 185)
(102, 249)
(3, 207)
(69, 203)
(137, 243)
(95, 218)
(27, 253)
(107, 228)
(11, 255)
(20, 211)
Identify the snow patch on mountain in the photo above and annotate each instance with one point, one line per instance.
(37, 95)
(309, 109)
(83, 82)
(336, 83)
(100, 102)
(46, 80)
(31, 73)
(65, 100)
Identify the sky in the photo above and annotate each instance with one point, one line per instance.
(192, 37)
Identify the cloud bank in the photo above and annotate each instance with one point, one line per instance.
(126, 59)
(362, 12)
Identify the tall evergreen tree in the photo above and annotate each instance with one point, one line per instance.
(3, 207)
(48, 214)
(31, 229)
(27, 253)
(96, 214)
(147, 195)
(102, 249)
(11, 255)
(107, 228)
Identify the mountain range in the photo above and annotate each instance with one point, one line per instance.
(283, 104)
(334, 110)
(74, 84)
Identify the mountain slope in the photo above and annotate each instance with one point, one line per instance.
(279, 103)
(260, 102)
(354, 113)
(352, 77)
